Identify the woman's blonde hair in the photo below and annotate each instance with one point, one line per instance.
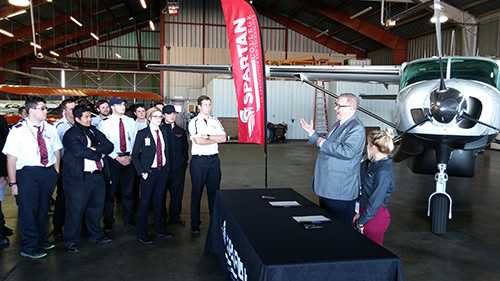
(383, 140)
(150, 112)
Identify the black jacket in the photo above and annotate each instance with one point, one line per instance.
(143, 155)
(178, 147)
(76, 150)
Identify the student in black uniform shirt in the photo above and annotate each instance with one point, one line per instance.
(150, 160)
(85, 189)
(178, 156)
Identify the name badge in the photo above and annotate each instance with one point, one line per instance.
(147, 141)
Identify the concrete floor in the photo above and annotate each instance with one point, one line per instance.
(470, 250)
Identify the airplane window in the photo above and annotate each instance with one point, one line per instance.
(420, 71)
(474, 69)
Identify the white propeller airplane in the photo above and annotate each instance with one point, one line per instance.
(447, 111)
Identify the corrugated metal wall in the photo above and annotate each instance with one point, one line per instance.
(203, 19)
(489, 36)
(126, 46)
(287, 102)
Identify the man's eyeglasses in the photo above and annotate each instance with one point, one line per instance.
(341, 105)
(156, 116)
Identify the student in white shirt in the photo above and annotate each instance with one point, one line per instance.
(121, 131)
(33, 155)
(206, 133)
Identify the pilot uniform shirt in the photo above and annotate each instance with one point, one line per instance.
(96, 120)
(22, 144)
(62, 126)
(140, 125)
(90, 165)
(110, 128)
(200, 126)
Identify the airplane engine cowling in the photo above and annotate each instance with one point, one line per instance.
(461, 163)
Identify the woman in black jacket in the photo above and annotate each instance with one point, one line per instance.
(377, 184)
(150, 160)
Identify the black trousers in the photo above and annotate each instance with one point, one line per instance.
(2, 221)
(152, 192)
(122, 179)
(35, 186)
(205, 171)
(84, 201)
(175, 186)
(339, 209)
(60, 208)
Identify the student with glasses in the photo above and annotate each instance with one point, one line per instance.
(33, 156)
(151, 163)
(336, 173)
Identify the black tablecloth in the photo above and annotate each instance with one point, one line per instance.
(255, 241)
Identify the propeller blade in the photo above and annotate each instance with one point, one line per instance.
(468, 117)
(398, 137)
(304, 79)
(437, 15)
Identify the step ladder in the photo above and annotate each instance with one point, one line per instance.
(320, 110)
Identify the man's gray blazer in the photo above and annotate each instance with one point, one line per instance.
(336, 173)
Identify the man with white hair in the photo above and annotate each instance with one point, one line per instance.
(336, 173)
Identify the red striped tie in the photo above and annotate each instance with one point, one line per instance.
(42, 147)
(159, 154)
(123, 141)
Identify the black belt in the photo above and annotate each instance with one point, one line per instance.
(123, 154)
(206, 156)
(96, 172)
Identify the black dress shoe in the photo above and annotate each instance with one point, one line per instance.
(102, 240)
(4, 243)
(34, 255)
(145, 240)
(164, 235)
(48, 245)
(195, 231)
(72, 248)
(7, 231)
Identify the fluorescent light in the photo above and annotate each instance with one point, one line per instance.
(143, 4)
(94, 36)
(361, 13)
(20, 12)
(76, 21)
(118, 55)
(442, 19)
(6, 33)
(35, 45)
(54, 53)
(151, 25)
(20, 3)
(50, 1)
(49, 28)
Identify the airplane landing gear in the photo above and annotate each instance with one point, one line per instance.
(440, 202)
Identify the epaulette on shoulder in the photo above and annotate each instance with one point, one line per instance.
(18, 125)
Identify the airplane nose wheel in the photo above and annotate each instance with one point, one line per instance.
(439, 206)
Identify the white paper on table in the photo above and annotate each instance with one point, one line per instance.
(311, 219)
(284, 203)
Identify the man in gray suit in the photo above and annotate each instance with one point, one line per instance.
(336, 173)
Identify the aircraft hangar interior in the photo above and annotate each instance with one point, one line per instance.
(342, 140)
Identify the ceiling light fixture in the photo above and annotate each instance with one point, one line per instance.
(94, 36)
(6, 33)
(49, 1)
(20, 12)
(76, 21)
(54, 53)
(442, 19)
(151, 25)
(143, 4)
(118, 55)
(20, 3)
(35, 45)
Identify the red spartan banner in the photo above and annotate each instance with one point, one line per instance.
(243, 33)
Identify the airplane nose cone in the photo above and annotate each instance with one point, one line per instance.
(446, 104)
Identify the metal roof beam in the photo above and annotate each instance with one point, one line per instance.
(378, 34)
(332, 43)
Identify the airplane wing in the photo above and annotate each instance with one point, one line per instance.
(22, 90)
(373, 73)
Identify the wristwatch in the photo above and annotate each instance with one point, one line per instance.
(12, 184)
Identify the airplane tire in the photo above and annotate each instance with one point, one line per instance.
(439, 213)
